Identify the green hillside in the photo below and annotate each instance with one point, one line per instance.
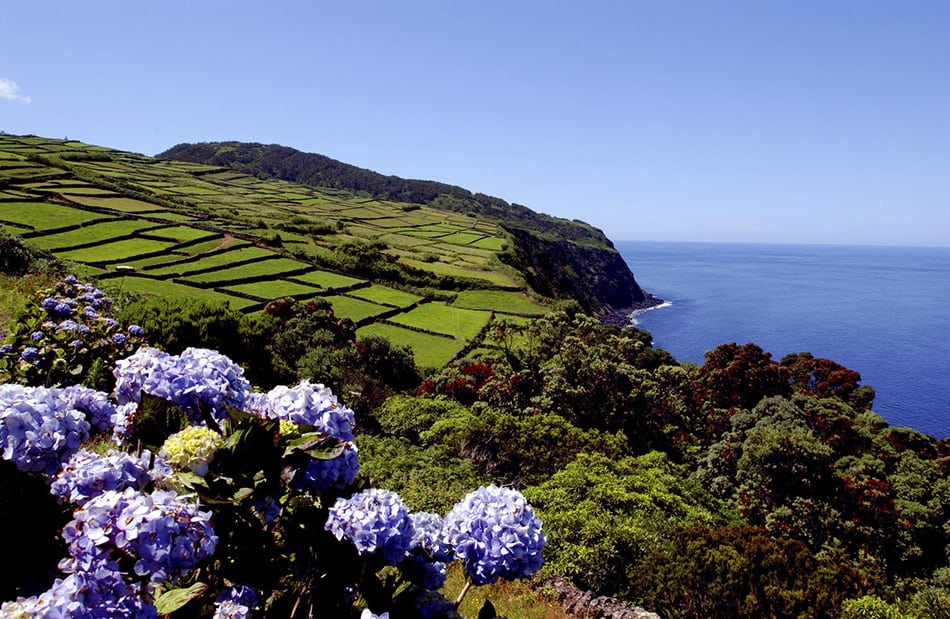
(174, 228)
(559, 258)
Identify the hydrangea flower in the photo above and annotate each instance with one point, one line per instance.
(36, 336)
(39, 428)
(307, 404)
(119, 338)
(197, 377)
(29, 353)
(374, 521)
(95, 404)
(87, 474)
(495, 534)
(323, 475)
(6, 349)
(164, 534)
(136, 331)
(87, 595)
(192, 448)
(235, 603)
(427, 536)
(426, 574)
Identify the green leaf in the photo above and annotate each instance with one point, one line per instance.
(170, 601)
(155, 420)
(316, 446)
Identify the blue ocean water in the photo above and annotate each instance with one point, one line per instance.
(883, 311)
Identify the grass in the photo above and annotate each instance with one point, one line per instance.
(117, 250)
(272, 266)
(274, 289)
(385, 296)
(501, 301)
(44, 216)
(217, 259)
(354, 309)
(326, 279)
(123, 205)
(184, 233)
(95, 232)
(431, 351)
(496, 278)
(171, 290)
(461, 324)
(513, 599)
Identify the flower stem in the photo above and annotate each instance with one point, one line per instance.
(461, 596)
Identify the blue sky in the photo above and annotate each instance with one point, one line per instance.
(760, 121)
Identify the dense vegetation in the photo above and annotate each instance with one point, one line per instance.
(560, 258)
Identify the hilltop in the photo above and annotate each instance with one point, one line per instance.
(559, 258)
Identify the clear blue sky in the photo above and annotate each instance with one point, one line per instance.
(772, 121)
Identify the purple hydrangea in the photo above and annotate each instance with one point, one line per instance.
(68, 325)
(136, 331)
(29, 353)
(306, 404)
(324, 475)
(86, 474)
(39, 428)
(63, 310)
(427, 536)
(196, 377)
(36, 336)
(87, 595)
(375, 521)
(49, 304)
(95, 404)
(495, 534)
(119, 338)
(164, 534)
(235, 602)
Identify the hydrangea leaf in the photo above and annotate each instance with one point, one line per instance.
(155, 420)
(174, 599)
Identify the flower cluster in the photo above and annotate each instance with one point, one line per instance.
(87, 474)
(374, 521)
(64, 333)
(90, 595)
(324, 475)
(192, 448)
(235, 603)
(96, 404)
(196, 378)
(496, 534)
(165, 534)
(305, 404)
(39, 429)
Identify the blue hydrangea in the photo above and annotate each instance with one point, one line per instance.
(119, 338)
(29, 353)
(6, 349)
(427, 574)
(196, 377)
(375, 521)
(102, 593)
(36, 336)
(235, 602)
(87, 474)
(136, 331)
(164, 534)
(427, 536)
(495, 534)
(307, 404)
(62, 310)
(433, 605)
(39, 428)
(323, 475)
(95, 404)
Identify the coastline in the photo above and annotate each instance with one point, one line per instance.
(624, 317)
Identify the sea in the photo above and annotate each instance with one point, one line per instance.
(882, 311)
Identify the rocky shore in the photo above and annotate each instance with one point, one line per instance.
(621, 317)
(588, 605)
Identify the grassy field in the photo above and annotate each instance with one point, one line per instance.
(120, 200)
(431, 351)
(461, 324)
(44, 216)
(501, 301)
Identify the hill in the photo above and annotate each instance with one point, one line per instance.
(426, 277)
(559, 258)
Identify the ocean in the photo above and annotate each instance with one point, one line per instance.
(882, 311)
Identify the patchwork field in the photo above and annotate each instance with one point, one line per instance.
(179, 229)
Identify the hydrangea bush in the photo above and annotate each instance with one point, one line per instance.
(223, 502)
(64, 337)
